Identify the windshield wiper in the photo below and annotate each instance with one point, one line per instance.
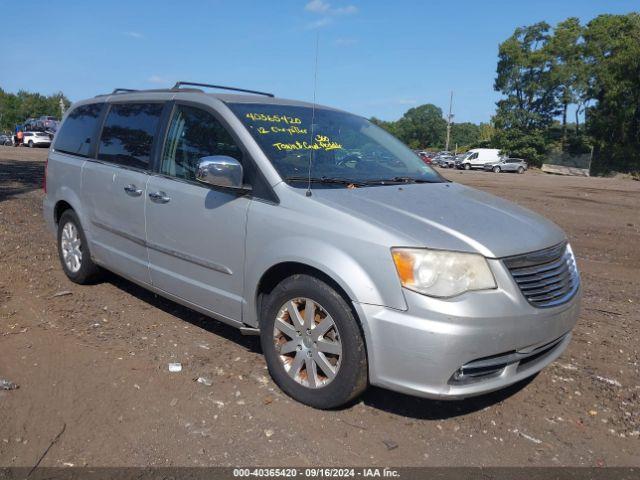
(334, 180)
(396, 180)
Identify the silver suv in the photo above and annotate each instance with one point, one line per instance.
(355, 262)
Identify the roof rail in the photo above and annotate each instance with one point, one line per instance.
(122, 90)
(220, 87)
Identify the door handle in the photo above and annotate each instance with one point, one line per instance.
(132, 190)
(159, 197)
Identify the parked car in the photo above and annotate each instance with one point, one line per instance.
(507, 165)
(450, 161)
(49, 123)
(457, 160)
(426, 157)
(478, 157)
(442, 160)
(33, 125)
(6, 140)
(36, 139)
(217, 202)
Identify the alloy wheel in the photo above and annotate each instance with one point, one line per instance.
(308, 342)
(71, 247)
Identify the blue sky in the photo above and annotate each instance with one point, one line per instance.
(375, 57)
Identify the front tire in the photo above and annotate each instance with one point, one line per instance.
(496, 169)
(520, 170)
(30, 143)
(312, 343)
(467, 166)
(73, 250)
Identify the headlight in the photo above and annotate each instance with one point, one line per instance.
(439, 273)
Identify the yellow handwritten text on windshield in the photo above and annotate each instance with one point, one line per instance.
(321, 142)
(263, 117)
(276, 129)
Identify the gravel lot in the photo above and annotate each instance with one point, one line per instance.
(91, 362)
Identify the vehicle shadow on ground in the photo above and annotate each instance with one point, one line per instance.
(249, 342)
(426, 409)
(17, 177)
(381, 399)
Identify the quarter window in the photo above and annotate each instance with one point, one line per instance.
(193, 134)
(128, 132)
(78, 130)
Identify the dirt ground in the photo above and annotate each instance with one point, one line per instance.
(91, 362)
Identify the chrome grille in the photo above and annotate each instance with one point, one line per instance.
(547, 277)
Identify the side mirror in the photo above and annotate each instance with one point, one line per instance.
(220, 171)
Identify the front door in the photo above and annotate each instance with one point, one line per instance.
(114, 187)
(196, 233)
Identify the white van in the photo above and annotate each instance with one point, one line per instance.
(478, 157)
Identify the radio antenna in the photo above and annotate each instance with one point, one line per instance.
(313, 115)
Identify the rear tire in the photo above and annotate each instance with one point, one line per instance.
(291, 343)
(496, 169)
(73, 250)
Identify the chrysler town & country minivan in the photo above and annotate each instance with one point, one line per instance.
(354, 261)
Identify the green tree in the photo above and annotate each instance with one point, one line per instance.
(388, 126)
(422, 127)
(16, 108)
(525, 79)
(612, 54)
(465, 135)
(567, 67)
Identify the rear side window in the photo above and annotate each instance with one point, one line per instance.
(78, 130)
(127, 135)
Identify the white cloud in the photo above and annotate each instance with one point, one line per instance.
(134, 34)
(317, 6)
(158, 80)
(324, 8)
(348, 10)
(323, 22)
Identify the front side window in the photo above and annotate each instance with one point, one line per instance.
(193, 134)
(128, 132)
(78, 130)
(341, 147)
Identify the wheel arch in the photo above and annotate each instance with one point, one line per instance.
(278, 272)
(59, 208)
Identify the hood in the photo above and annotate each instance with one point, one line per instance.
(447, 216)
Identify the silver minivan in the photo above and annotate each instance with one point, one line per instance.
(355, 262)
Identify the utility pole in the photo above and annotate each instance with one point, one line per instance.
(449, 118)
(61, 107)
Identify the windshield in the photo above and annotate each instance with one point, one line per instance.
(343, 147)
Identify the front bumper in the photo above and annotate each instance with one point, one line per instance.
(430, 349)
